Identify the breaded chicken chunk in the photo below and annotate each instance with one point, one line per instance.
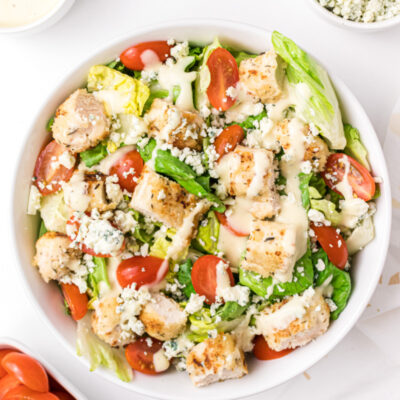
(106, 323)
(295, 321)
(262, 76)
(316, 151)
(162, 317)
(54, 258)
(215, 359)
(80, 122)
(250, 173)
(180, 128)
(271, 250)
(166, 201)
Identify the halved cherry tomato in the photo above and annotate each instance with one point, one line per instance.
(263, 352)
(136, 57)
(76, 224)
(223, 220)
(224, 73)
(77, 301)
(333, 244)
(63, 395)
(147, 270)
(47, 174)
(3, 353)
(29, 371)
(23, 393)
(128, 168)
(204, 276)
(359, 178)
(7, 383)
(140, 355)
(228, 139)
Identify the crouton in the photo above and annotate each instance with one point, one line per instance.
(250, 173)
(215, 359)
(99, 190)
(162, 317)
(271, 250)
(316, 151)
(106, 323)
(180, 128)
(263, 76)
(166, 201)
(80, 122)
(54, 256)
(295, 321)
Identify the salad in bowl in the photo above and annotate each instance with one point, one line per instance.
(198, 203)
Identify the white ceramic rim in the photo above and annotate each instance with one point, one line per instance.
(55, 14)
(6, 342)
(359, 308)
(359, 26)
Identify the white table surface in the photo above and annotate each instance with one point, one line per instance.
(366, 365)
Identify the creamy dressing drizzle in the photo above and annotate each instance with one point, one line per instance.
(239, 216)
(260, 169)
(344, 186)
(232, 246)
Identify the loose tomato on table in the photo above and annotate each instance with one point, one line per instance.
(224, 73)
(333, 244)
(263, 352)
(24, 393)
(136, 57)
(128, 168)
(359, 178)
(147, 270)
(228, 139)
(140, 355)
(77, 301)
(48, 174)
(204, 276)
(27, 370)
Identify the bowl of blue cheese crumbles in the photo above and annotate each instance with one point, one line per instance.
(366, 15)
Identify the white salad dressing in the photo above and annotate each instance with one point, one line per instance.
(114, 101)
(239, 216)
(15, 13)
(344, 186)
(149, 57)
(76, 192)
(232, 246)
(160, 361)
(260, 169)
(106, 163)
(115, 288)
(292, 211)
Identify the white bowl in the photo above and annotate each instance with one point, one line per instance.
(262, 375)
(356, 26)
(42, 23)
(7, 343)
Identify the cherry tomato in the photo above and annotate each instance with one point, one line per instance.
(3, 353)
(359, 178)
(141, 270)
(204, 277)
(47, 174)
(63, 395)
(77, 301)
(136, 57)
(263, 352)
(7, 383)
(222, 218)
(128, 169)
(29, 371)
(23, 393)
(224, 73)
(140, 355)
(228, 139)
(333, 244)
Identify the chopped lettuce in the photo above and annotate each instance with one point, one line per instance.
(361, 236)
(42, 229)
(240, 55)
(146, 152)
(339, 279)
(249, 122)
(317, 99)
(54, 212)
(201, 323)
(49, 125)
(98, 275)
(99, 353)
(304, 182)
(328, 209)
(354, 147)
(231, 310)
(184, 277)
(207, 236)
(155, 93)
(132, 93)
(94, 155)
(143, 232)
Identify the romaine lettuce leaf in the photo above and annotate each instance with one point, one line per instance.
(317, 102)
(184, 277)
(328, 209)
(361, 236)
(207, 236)
(54, 212)
(133, 94)
(94, 155)
(354, 147)
(146, 152)
(99, 274)
(42, 229)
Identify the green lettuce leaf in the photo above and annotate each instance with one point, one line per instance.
(341, 281)
(354, 147)
(42, 229)
(133, 92)
(328, 209)
(184, 277)
(304, 182)
(231, 310)
(94, 155)
(319, 103)
(155, 94)
(248, 123)
(207, 236)
(146, 152)
(99, 274)
(240, 55)
(49, 125)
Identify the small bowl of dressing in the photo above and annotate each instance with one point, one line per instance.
(28, 16)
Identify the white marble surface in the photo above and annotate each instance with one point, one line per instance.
(366, 365)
